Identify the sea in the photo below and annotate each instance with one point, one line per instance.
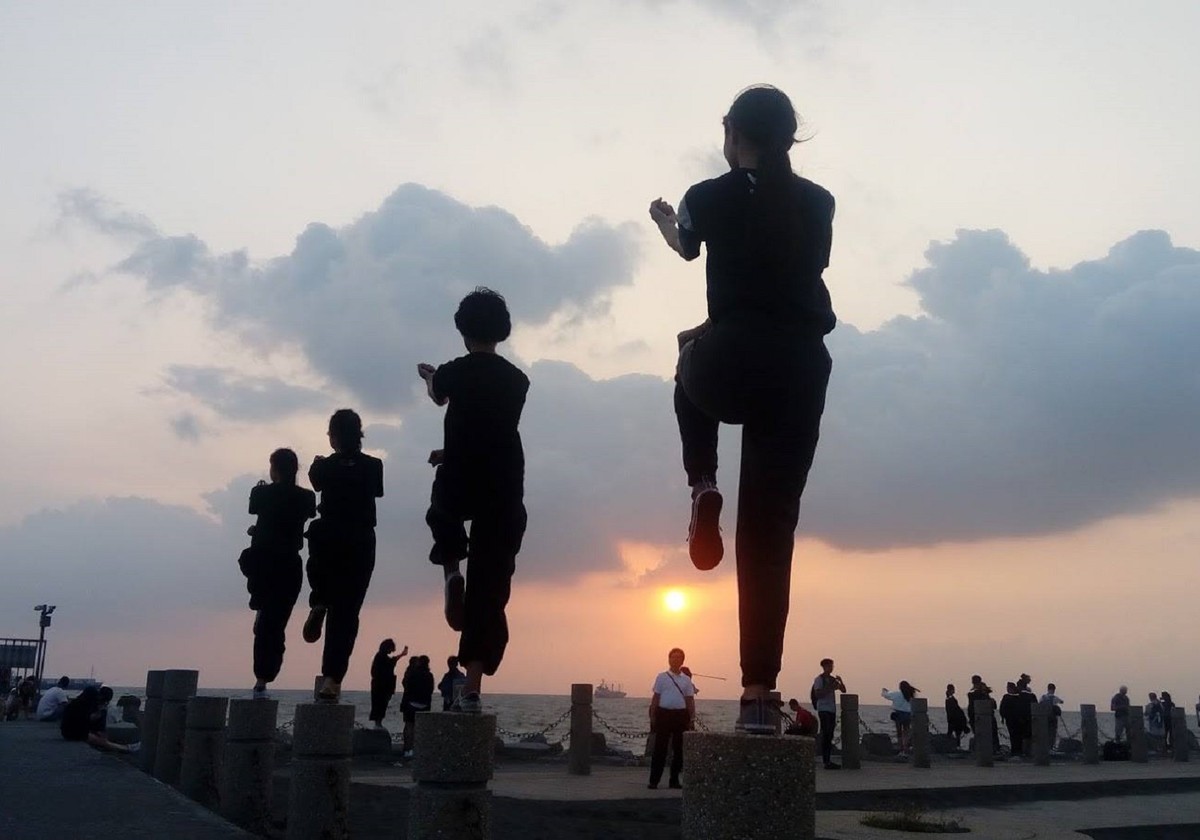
(624, 721)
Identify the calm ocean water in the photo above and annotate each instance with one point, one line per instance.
(623, 721)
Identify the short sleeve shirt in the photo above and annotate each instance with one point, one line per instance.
(770, 266)
(829, 702)
(672, 690)
(1120, 705)
(349, 484)
(482, 448)
(282, 510)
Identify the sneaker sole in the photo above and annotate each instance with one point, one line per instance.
(704, 543)
(456, 607)
(312, 627)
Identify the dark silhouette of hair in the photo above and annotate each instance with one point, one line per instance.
(387, 646)
(63, 682)
(106, 694)
(286, 464)
(1052, 687)
(483, 316)
(907, 690)
(763, 115)
(826, 661)
(346, 426)
(674, 651)
(1166, 695)
(452, 661)
(1011, 688)
(89, 698)
(949, 689)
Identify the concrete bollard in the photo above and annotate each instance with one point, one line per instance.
(249, 765)
(452, 763)
(1042, 715)
(151, 718)
(203, 747)
(1138, 749)
(579, 756)
(983, 733)
(319, 799)
(179, 686)
(741, 786)
(1179, 734)
(1090, 733)
(920, 732)
(850, 736)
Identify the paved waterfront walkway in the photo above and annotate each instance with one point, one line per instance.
(50, 788)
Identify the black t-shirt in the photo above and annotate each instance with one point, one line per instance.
(383, 668)
(282, 510)
(349, 484)
(482, 449)
(756, 264)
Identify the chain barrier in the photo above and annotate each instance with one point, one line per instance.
(628, 735)
(528, 736)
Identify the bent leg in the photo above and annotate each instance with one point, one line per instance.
(495, 542)
(341, 624)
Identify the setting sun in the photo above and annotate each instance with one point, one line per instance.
(674, 600)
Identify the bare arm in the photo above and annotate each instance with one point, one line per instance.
(426, 372)
(664, 216)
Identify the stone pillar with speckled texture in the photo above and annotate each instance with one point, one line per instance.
(920, 732)
(579, 753)
(203, 746)
(179, 686)
(984, 745)
(1138, 749)
(452, 764)
(851, 740)
(151, 719)
(319, 796)
(1179, 734)
(1042, 715)
(1089, 731)
(249, 766)
(741, 786)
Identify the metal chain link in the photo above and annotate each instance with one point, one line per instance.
(525, 736)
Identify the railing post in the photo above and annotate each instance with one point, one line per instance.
(984, 746)
(247, 780)
(1138, 750)
(920, 732)
(851, 740)
(1179, 734)
(1089, 732)
(151, 719)
(179, 686)
(203, 745)
(579, 755)
(1042, 716)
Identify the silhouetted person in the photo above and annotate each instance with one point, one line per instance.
(1010, 715)
(481, 479)
(1156, 731)
(383, 680)
(1119, 706)
(956, 719)
(418, 695)
(1168, 706)
(341, 545)
(824, 699)
(453, 678)
(1025, 703)
(758, 361)
(902, 712)
(272, 566)
(84, 719)
(54, 701)
(982, 691)
(1055, 711)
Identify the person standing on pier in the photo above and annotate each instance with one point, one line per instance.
(759, 361)
(956, 719)
(272, 565)
(341, 546)
(1119, 706)
(902, 712)
(672, 712)
(383, 680)
(480, 478)
(824, 699)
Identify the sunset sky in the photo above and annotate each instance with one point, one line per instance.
(220, 221)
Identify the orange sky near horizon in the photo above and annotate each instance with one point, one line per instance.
(1050, 606)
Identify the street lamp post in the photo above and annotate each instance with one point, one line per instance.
(43, 623)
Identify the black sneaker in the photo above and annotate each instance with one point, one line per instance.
(455, 602)
(704, 531)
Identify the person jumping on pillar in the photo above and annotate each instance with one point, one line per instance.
(341, 546)
(758, 361)
(480, 478)
(274, 572)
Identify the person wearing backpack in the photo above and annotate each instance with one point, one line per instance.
(824, 700)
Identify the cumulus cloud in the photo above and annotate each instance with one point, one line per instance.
(242, 398)
(186, 426)
(367, 301)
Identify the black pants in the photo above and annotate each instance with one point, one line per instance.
(669, 726)
(497, 530)
(340, 564)
(771, 380)
(828, 722)
(1016, 735)
(381, 695)
(276, 596)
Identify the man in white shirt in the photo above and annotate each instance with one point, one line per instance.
(672, 712)
(824, 697)
(51, 706)
(1055, 711)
